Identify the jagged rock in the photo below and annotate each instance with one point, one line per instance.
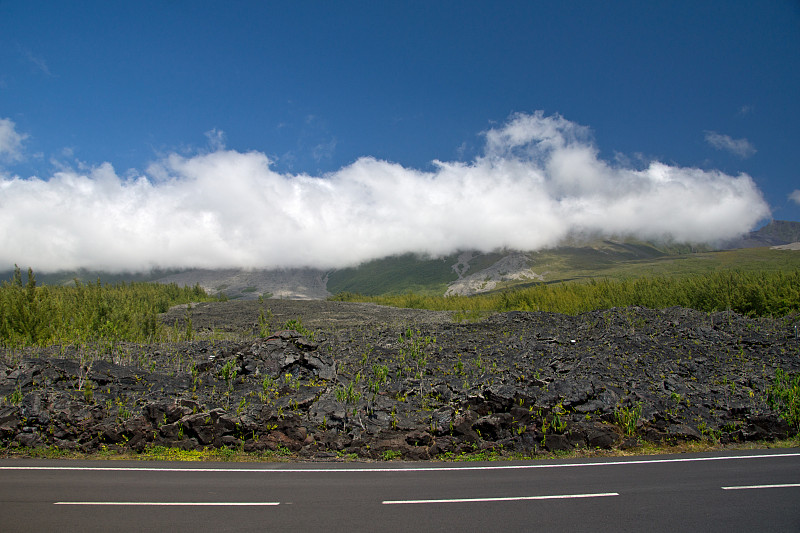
(228, 441)
(765, 426)
(557, 443)
(171, 431)
(495, 384)
(493, 427)
(34, 409)
(111, 433)
(419, 438)
(30, 440)
(683, 432)
(9, 421)
(602, 436)
(462, 424)
(185, 444)
(326, 410)
(155, 412)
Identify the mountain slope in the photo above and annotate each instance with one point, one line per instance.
(777, 232)
(293, 284)
(470, 272)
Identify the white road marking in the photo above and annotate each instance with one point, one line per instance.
(506, 499)
(745, 487)
(175, 504)
(400, 469)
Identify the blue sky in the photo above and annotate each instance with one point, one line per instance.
(145, 116)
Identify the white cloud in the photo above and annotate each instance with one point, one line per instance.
(795, 196)
(10, 141)
(324, 150)
(216, 139)
(539, 180)
(37, 61)
(740, 147)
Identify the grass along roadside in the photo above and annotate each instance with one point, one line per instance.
(283, 455)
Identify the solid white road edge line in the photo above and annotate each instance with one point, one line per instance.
(411, 469)
(175, 504)
(745, 487)
(505, 499)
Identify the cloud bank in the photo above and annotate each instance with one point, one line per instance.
(739, 147)
(539, 180)
(795, 196)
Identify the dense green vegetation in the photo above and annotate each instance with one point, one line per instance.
(44, 315)
(619, 260)
(394, 275)
(68, 277)
(784, 397)
(750, 293)
(430, 276)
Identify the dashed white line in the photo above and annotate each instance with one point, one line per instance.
(177, 504)
(747, 487)
(504, 499)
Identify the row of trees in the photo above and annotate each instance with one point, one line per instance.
(748, 293)
(39, 316)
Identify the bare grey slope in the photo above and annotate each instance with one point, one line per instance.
(294, 284)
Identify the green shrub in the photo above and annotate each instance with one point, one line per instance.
(389, 455)
(784, 397)
(32, 315)
(627, 417)
(297, 325)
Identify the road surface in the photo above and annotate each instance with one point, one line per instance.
(757, 490)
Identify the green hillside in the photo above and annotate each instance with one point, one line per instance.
(65, 277)
(395, 275)
(582, 264)
(598, 260)
(754, 293)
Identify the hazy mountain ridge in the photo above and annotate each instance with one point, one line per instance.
(464, 273)
(291, 284)
(776, 233)
(471, 272)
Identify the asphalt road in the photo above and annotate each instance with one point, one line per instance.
(756, 490)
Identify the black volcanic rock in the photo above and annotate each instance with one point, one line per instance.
(382, 383)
